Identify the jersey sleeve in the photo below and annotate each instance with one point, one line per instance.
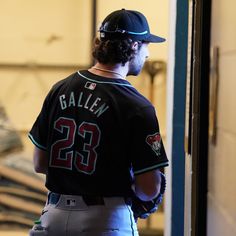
(147, 150)
(39, 131)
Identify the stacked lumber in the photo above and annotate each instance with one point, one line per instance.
(22, 196)
(9, 137)
(22, 191)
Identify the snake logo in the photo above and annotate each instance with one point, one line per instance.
(154, 141)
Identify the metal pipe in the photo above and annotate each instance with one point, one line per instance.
(33, 65)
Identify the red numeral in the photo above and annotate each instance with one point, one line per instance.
(86, 157)
(86, 162)
(57, 158)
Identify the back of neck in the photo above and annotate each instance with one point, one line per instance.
(111, 71)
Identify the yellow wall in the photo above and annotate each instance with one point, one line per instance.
(222, 175)
(45, 31)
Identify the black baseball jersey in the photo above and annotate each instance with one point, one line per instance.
(97, 131)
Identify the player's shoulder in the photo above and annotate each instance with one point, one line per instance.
(140, 101)
(63, 81)
(60, 86)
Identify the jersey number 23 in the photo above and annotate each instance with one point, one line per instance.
(62, 151)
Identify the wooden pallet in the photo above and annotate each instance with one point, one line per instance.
(22, 178)
(20, 204)
(11, 218)
(23, 193)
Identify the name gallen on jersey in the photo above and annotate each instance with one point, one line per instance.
(87, 101)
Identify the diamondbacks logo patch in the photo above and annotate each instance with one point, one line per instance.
(154, 141)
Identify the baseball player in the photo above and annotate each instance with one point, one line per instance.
(97, 138)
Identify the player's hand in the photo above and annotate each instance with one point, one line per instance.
(142, 209)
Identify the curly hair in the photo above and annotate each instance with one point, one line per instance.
(113, 51)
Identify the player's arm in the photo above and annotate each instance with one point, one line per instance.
(147, 185)
(40, 158)
(148, 153)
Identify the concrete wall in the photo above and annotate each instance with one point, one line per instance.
(222, 156)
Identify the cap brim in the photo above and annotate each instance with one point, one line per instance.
(154, 39)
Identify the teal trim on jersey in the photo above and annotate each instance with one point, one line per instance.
(151, 168)
(35, 143)
(104, 82)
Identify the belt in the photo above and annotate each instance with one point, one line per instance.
(53, 198)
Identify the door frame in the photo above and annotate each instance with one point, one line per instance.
(199, 113)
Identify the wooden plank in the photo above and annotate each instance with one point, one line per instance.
(20, 204)
(10, 218)
(22, 178)
(23, 193)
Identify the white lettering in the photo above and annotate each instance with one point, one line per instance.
(62, 101)
(89, 102)
(101, 109)
(95, 104)
(86, 103)
(79, 100)
(72, 99)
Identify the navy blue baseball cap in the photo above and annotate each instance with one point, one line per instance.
(122, 24)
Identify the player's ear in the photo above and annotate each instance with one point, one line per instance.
(134, 46)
